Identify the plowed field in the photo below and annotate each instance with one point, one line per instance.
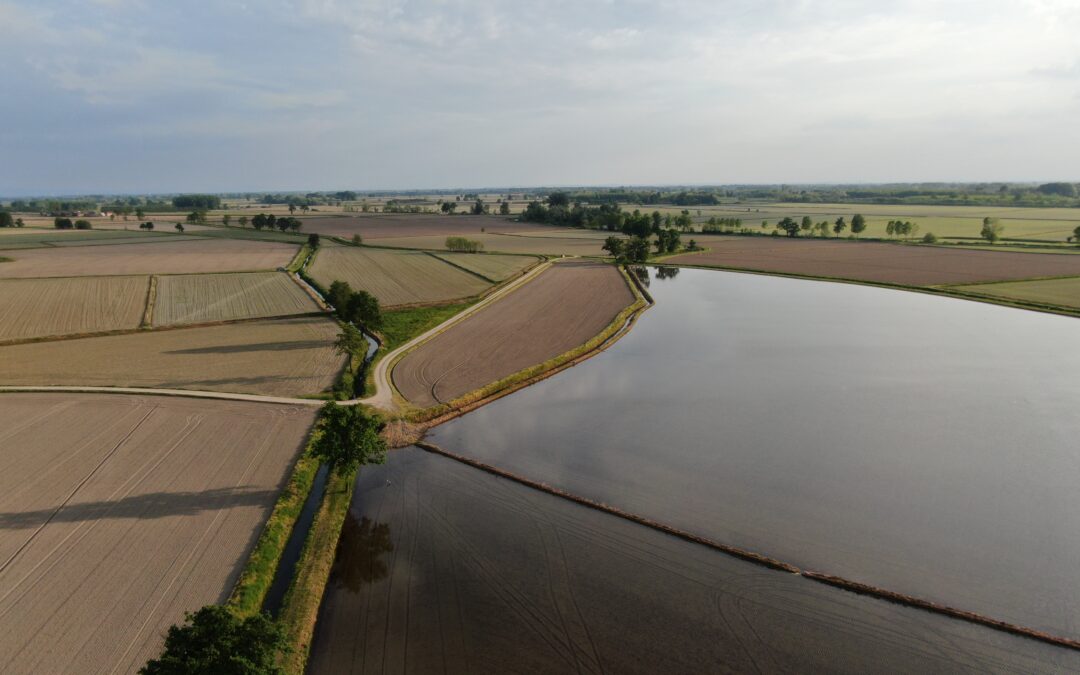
(198, 298)
(560, 309)
(285, 357)
(411, 225)
(120, 513)
(885, 263)
(494, 267)
(32, 308)
(172, 257)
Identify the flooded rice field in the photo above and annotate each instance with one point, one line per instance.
(923, 444)
(445, 568)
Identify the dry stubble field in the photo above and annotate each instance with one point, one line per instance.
(120, 513)
(1060, 292)
(560, 309)
(395, 277)
(171, 257)
(282, 357)
(200, 298)
(380, 226)
(877, 262)
(496, 267)
(31, 308)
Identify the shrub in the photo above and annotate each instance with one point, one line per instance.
(929, 238)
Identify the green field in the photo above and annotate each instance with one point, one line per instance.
(1057, 292)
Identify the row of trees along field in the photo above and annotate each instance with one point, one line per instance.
(478, 208)
(607, 216)
(7, 220)
(636, 248)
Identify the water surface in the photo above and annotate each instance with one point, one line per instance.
(925, 444)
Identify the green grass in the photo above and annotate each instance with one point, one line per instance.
(1052, 292)
(258, 574)
(401, 325)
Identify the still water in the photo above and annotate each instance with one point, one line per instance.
(924, 444)
(444, 568)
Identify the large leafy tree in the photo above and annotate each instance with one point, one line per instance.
(858, 224)
(348, 438)
(214, 640)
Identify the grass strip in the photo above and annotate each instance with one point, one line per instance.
(258, 573)
(301, 607)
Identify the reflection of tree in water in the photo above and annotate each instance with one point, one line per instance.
(641, 272)
(358, 556)
(667, 272)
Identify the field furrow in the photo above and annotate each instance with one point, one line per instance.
(31, 308)
(200, 298)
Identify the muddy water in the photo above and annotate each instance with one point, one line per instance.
(924, 444)
(444, 568)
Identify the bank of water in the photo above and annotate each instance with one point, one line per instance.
(924, 444)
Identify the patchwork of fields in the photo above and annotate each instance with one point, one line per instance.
(200, 298)
(381, 226)
(395, 277)
(120, 513)
(172, 257)
(32, 308)
(562, 308)
(877, 262)
(284, 357)
(538, 244)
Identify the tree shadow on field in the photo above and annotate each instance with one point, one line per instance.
(260, 347)
(359, 554)
(141, 507)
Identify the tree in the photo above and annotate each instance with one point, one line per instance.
(180, 228)
(350, 341)
(203, 202)
(313, 240)
(214, 640)
(463, 245)
(789, 225)
(146, 226)
(1076, 235)
(243, 220)
(929, 238)
(6, 220)
(807, 224)
(991, 229)
(292, 209)
(504, 208)
(448, 207)
(225, 219)
(363, 308)
(338, 295)
(839, 226)
(858, 224)
(479, 208)
(139, 214)
(559, 199)
(63, 223)
(1063, 189)
(637, 249)
(616, 246)
(349, 438)
(18, 222)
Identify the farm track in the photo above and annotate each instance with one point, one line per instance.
(119, 513)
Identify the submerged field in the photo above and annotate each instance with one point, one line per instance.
(1058, 292)
(31, 308)
(560, 309)
(877, 262)
(120, 513)
(395, 277)
(284, 357)
(200, 298)
(444, 568)
(160, 257)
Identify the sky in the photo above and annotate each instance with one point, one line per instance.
(137, 96)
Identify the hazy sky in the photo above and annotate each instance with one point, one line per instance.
(138, 95)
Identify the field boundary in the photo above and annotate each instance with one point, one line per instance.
(763, 560)
(151, 298)
(617, 328)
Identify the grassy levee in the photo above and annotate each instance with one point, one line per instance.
(258, 573)
(300, 259)
(301, 606)
(523, 378)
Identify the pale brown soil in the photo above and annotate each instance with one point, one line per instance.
(166, 257)
(201, 298)
(878, 262)
(395, 277)
(32, 308)
(285, 357)
(528, 242)
(561, 309)
(379, 226)
(120, 513)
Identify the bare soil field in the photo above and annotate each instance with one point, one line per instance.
(560, 309)
(444, 568)
(1060, 292)
(172, 257)
(381, 226)
(201, 298)
(31, 308)
(395, 277)
(32, 238)
(495, 267)
(284, 357)
(884, 263)
(120, 513)
(541, 244)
